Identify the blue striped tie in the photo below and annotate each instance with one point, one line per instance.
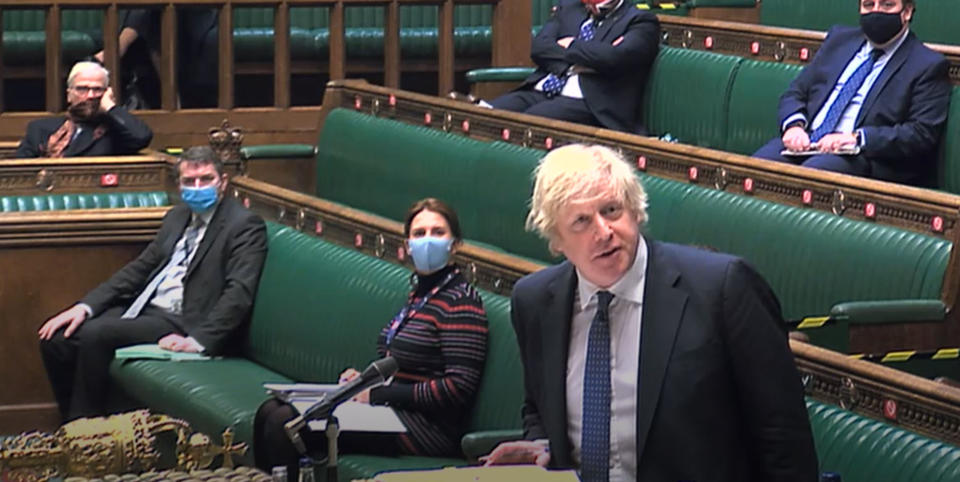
(847, 93)
(181, 256)
(595, 439)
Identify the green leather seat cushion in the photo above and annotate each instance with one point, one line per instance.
(754, 97)
(865, 450)
(59, 202)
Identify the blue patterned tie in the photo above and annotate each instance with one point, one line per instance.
(595, 439)
(847, 93)
(553, 85)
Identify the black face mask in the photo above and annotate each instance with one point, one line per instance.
(881, 27)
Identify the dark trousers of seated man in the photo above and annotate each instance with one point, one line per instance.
(855, 165)
(272, 447)
(534, 102)
(78, 367)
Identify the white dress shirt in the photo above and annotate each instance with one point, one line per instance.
(626, 311)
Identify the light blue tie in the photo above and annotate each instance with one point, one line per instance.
(553, 85)
(847, 93)
(179, 257)
(595, 439)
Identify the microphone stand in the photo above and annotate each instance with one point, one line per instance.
(333, 433)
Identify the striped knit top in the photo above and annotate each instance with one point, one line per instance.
(441, 351)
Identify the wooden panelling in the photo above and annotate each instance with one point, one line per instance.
(85, 174)
(50, 260)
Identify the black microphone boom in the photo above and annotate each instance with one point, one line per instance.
(373, 375)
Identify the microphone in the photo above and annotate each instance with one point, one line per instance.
(373, 375)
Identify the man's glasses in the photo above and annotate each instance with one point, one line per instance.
(84, 90)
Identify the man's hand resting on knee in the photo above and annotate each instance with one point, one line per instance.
(175, 342)
(519, 452)
(71, 318)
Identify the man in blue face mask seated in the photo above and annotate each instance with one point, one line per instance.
(872, 103)
(190, 290)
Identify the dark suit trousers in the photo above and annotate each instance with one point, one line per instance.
(534, 102)
(78, 367)
(856, 165)
(272, 446)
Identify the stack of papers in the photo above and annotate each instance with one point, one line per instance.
(353, 416)
(154, 352)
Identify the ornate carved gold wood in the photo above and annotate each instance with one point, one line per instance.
(226, 141)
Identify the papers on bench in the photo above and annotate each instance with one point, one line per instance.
(152, 351)
(813, 151)
(353, 416)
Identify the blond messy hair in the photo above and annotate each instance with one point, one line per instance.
(84, 66)
(576, 171)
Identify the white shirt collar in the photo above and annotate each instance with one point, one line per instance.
(629, 287)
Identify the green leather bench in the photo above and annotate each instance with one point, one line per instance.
(934, 20)
(24, 37)
(318, 310)
(59, 202)
(818, 263)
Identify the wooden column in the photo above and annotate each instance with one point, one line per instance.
(168, 58)
(391, 45)
(111, 54)
(54, 69)
(338, 48)
(281, 56)
(512, 23)
(225, 66)
(445, 70)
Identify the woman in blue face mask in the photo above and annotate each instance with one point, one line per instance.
(439, 339)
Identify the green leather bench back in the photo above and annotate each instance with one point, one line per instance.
(688, 94)
(320, 308)
(24, 37)
(754, 96)
(865, 450)
(949, 169)
(812, 259)
(59, 202)
(934, 20)
(383, 166)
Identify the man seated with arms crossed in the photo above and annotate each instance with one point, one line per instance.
(94, 126)
(872, 103)
(593, 62)
(190, 290)
(645, 360)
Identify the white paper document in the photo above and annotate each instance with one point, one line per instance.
(288, 391)
(355, 416)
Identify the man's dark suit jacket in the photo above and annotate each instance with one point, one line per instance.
(719, 397)
(220, 283)
(614, 91)
(125, 135)
(904, 113)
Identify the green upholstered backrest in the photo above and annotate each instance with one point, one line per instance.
(949, 169)
(59, 202)
(812, 259)
(754, 96)
(33, 20)
(541, 11)
(383, 166)
(687, 96)
(722, 3)
(936, 21)
(865, 450)
(809, 14)
(320, 308)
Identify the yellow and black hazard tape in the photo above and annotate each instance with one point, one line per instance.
(659, 6)
(909, 355)
(810, 322)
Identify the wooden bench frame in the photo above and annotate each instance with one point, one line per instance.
(150, 172)
(876, 391)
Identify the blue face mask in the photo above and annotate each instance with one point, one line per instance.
(200, 199)
(430, 253)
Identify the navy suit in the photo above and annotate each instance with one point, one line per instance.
(126, 134)
(902, 116)
(719, 397)
(614, 82)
